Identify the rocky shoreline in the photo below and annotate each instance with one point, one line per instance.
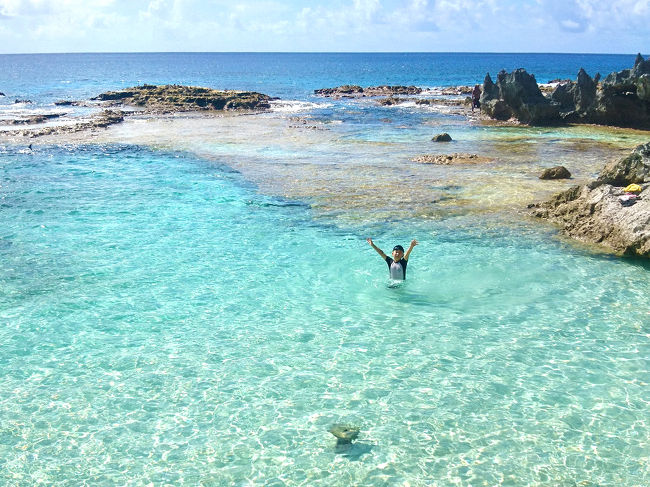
(591, 213)
(602, 212)
(145, 99)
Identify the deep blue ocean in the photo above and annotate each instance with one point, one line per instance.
(48, 77)
(192, 301)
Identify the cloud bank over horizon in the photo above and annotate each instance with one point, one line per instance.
(590, 26)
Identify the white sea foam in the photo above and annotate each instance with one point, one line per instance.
(405, 104)
(431, 91)
(295, 106)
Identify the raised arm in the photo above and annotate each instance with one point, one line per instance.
(377, 249)
(408, 252)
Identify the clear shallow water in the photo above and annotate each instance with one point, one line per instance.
(352, 161)
(193, 302)
(164, 322)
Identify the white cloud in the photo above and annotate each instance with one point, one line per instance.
(571, 25)
(15, 8)
(501, 25)
(597, 15)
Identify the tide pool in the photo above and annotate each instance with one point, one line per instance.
(165, 322)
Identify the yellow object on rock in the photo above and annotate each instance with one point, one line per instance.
(633, 188)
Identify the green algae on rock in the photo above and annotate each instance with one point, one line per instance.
(172, 98)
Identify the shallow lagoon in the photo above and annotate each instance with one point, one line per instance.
(192, 301)
(165, 322)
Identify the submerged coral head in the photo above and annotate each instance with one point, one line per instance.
(345, 433)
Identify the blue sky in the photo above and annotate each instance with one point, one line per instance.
(592, 26)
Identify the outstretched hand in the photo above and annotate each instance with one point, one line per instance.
(369, 240)
(408, 251)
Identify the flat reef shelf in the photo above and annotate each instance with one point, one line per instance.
(170, 98)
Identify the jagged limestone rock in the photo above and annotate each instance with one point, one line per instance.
(621, 99)
(643, 87)
(635, 168)
(517, 95)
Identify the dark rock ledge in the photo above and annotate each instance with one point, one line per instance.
(355, 91)
(175, 98)
(453, 102)
(34, 119)
(598, 213)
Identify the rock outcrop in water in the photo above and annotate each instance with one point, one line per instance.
(600, 212)
(173, 98)
(556, 172)
(355, 91)
(345, 434)
(622, 99)
(443, 137)
(450, 159)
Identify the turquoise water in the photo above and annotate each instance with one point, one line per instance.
(163, 322)
(193, 302)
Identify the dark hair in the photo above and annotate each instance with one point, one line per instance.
(399, 247)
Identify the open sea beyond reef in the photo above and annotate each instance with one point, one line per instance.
(190, 300)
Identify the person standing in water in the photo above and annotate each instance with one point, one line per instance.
(476, 97)
(396, 265)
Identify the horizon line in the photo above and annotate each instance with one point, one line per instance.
(319, 52)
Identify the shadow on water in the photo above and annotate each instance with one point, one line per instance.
(353, 451)
(640, 262)
(403, 292)
(594, 252)
(279, 202)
